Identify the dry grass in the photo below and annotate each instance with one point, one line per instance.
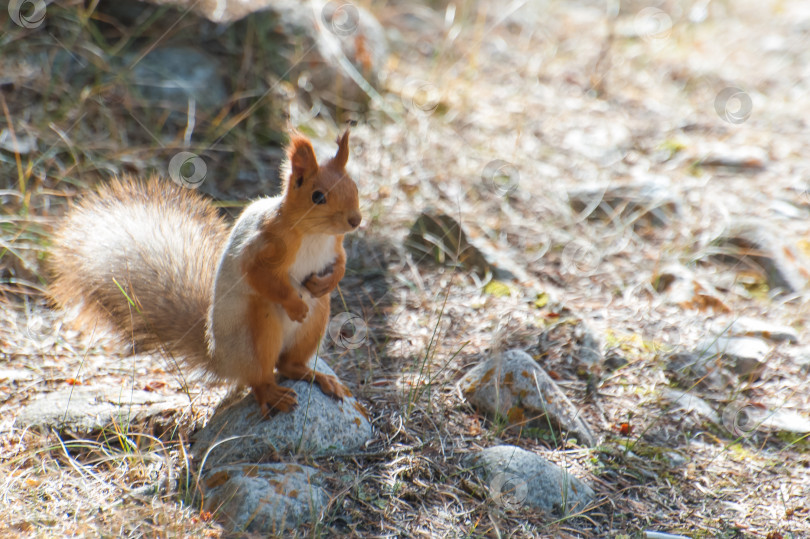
(564, 94)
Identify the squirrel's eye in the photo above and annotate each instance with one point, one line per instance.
(318, 198)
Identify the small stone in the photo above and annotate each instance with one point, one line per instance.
(675, 459)
(687, 402)
(644, 202)
(574, 341)
(686, 290)
(614, 361)
(317, 425)
(267, 499)
(438, 238)
(521, 479)
(743, 420)
(745, 326)
(690, 369)
(170, 77)
(86, 409)
(743, 157)
(748, 354)
(515, 387)
(787, 421)
(755, 245)
(20, 143)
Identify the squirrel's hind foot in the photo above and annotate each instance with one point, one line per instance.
(332, 387)
(272, 397)
(329, 384)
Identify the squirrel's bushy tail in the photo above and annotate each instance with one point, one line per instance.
(154, 243)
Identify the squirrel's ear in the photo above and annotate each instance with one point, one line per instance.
(302, 158)
(342, 155)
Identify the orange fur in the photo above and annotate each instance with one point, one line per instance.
(268, 270)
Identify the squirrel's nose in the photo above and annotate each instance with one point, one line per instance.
(354, 220)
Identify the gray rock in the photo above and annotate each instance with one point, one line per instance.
(743, 420)
(268, 499)
(742, 157)
(317, 425)
(438, 238)
(745, 326)
(694, 370)
(682, 287)
(689, 403)
(747, 354)
(332, 50)
(574, 341)
(786, 421)
(515, 387)
(169, 77)
(754, 245)
(675, 459)
(21, 143)
(519, 478)
(86, 409)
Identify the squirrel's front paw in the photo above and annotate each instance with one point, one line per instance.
(318, 285)
(296, 310)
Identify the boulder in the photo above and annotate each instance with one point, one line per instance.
(266, 499)
(521, 479)
(515, 387)
(317, 425)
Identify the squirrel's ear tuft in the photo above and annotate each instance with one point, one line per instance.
(342, 155)
(302, 157)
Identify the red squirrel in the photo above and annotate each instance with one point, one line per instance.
(157, 261)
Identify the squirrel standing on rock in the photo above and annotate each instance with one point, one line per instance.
(157, 261)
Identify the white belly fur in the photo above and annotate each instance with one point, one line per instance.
(316, 253)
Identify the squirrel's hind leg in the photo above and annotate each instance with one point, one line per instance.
(293, 362)
(272, 397)
(267, 336)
